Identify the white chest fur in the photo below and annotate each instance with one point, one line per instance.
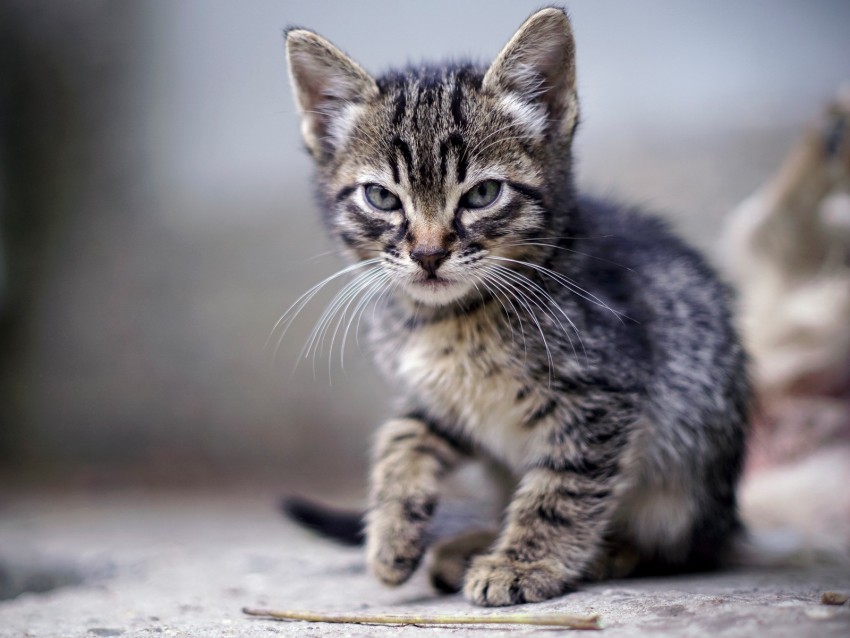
(464, 374)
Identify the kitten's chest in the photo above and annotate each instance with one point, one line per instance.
(470, 377)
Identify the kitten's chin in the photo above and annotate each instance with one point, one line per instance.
(437, 292)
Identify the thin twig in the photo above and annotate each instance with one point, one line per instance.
(547, 620)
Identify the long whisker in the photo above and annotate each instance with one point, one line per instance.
(545, 298)
(375, 287)
(386, 288)
(337, 251)
(318, 328)
(316, 337)
(560, 237)
(492, 277)
(526, 301)
(542, 292)
(571, 250)
(343, 312)
(477, 279)
(339, 313)
(481, 279)
(566, 282)
(378, 300)
(342, 306)
(289, 316)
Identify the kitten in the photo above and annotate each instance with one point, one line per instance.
(574, 343)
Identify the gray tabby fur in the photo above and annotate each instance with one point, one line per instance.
(575, 343)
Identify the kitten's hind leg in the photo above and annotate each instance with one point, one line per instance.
(411, 459)
(618, 559)
(452, 557)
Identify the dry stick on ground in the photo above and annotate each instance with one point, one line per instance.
(546, 620)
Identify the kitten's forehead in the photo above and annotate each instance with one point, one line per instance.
(427, 131)
(439, 97)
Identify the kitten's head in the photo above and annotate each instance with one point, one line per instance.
(433, 169)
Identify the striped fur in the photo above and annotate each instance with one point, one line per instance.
(575, 343)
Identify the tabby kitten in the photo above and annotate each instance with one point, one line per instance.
(575, 343)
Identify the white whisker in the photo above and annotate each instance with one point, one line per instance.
(566, 282)
(483, 281)
(315, 341)
(526, 301)
(494, 281)
(366, 281)
(375, 287)
(539, 290)
(571, 250)
(298, 305)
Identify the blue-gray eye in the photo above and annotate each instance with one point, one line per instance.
(481, 195)
(381, 198)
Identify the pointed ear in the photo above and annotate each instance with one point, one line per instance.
(327, 84)
(538, 67)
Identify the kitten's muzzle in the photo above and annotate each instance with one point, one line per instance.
(429, 259)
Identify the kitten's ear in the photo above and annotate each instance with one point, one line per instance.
(326, 83)
(538, 67)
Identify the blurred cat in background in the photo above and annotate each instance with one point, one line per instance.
(787, 249)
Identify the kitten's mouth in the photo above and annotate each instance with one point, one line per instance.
(435, 281)
(436, 290)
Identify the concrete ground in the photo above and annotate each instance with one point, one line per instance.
(145, 563)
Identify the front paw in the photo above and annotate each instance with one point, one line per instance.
(495, 580)
(395, 541)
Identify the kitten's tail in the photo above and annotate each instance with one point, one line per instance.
(342, 526)
(345, 526)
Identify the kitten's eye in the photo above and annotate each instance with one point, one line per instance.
(481, 195)
(381, 198)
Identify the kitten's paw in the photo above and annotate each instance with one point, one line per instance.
(395, 541)
(495, 580)
(452, 557)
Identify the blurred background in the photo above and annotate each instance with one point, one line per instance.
(157, 215)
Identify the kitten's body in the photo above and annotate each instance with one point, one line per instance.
(486, 381)
(578, 344)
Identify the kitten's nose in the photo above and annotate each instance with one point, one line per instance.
(429, 259)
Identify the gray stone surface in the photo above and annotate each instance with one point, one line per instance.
(184, 564)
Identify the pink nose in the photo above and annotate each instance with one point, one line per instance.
(429, 259)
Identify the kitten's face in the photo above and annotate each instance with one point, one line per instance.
(436, 172)
(432, 176)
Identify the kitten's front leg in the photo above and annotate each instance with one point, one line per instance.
(554, 529)
(410, 460)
